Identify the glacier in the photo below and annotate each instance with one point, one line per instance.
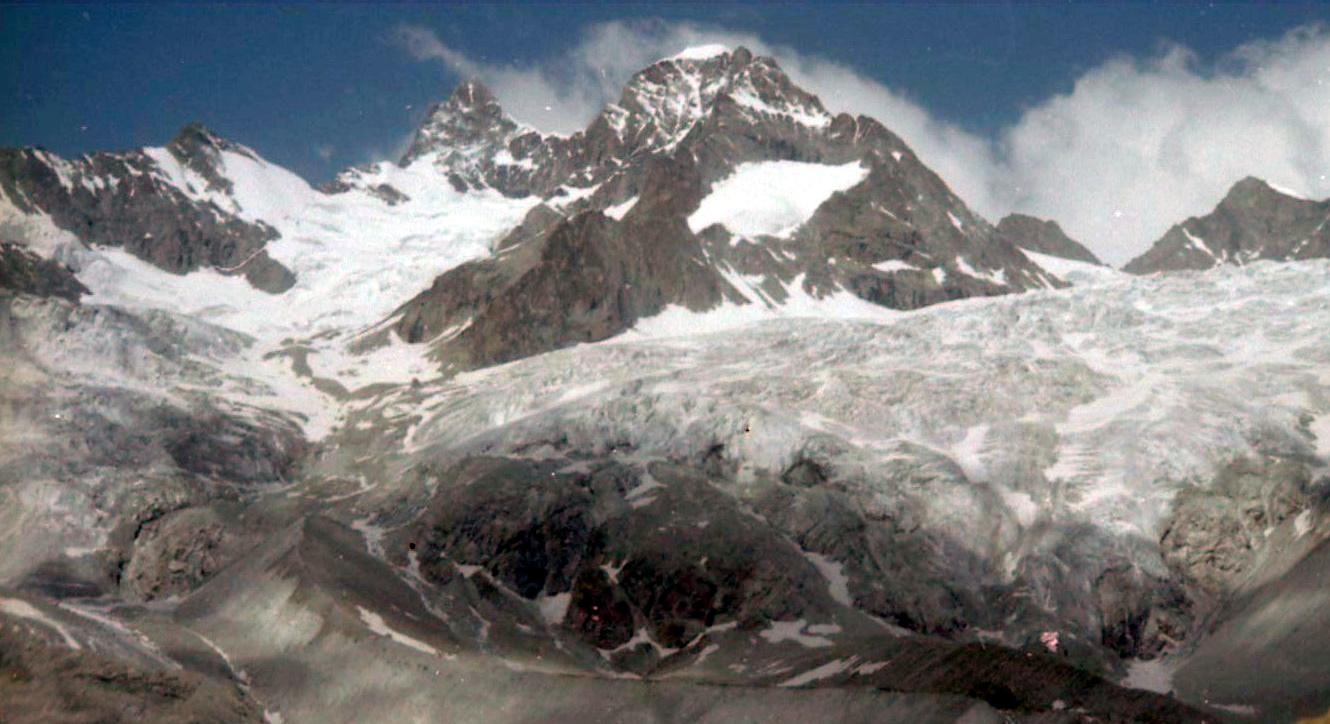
(1094, 403)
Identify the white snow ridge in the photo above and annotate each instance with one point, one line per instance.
(700, 52)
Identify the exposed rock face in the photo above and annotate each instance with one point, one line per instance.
(175, 553)
(1218, 533)
(667, 549)
(353, 178)
(25, 272)
(656, 549)
(1044, 237)
(656, 570)
(586, 268)
(1253, 222)
(132, 200)
(472, 139)
(313, 588)
(468, 133)
(579, 280)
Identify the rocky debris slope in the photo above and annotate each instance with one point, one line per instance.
(436, 635)
(64, 665)
(1279, 633)
(713, 181)
(168, 206)
(1254, 221)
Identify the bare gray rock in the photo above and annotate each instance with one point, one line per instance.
(1044, 237)
(1253, 222)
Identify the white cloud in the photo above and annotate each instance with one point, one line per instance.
(1137, 145)
(563, 94)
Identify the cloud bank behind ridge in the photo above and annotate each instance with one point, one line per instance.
(1137, 145)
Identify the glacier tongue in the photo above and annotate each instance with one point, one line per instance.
(1097, 403)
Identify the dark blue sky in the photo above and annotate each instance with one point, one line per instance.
(290, 80)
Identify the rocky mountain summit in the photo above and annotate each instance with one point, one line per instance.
(1254, 221)
(1043, 237)
(648, 212)
(664, 420)
(473, 140)
(643, 211)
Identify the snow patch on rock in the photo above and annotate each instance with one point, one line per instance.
(374, 622)
(772, 198)
(827, 670)
(796, 631)
(838, 584)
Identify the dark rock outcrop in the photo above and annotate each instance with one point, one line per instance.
(657, 548)
(1217, 533)
(177, 552)
(24, 272)
(1253, 222)
(1043, 237)
(46, 681)
(579, 279)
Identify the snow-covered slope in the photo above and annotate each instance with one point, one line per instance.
(1071, 270)
(354, 257)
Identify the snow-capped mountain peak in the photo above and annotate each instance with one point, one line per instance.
(200, 150)
(664, 101)
(700, 52)
(467, 128)
(475, 144)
